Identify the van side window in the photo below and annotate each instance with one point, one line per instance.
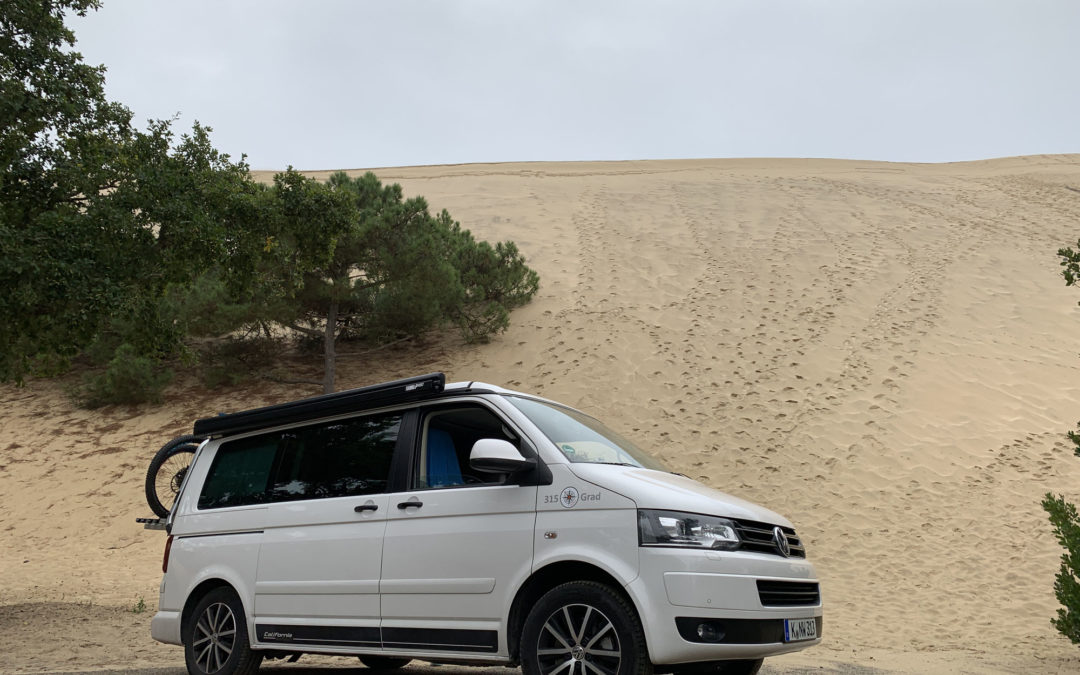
(447, 437)
(334, 459)
(240, 472)
(339, 459)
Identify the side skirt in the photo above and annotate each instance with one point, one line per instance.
(416, 639)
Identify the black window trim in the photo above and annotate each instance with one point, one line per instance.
(400, 463)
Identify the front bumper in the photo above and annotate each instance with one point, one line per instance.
(680, 587)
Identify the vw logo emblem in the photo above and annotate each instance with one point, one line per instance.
(780, 539)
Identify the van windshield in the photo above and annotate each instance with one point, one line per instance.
(584, 439)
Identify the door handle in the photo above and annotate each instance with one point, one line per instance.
(412, 502)
(366, 507)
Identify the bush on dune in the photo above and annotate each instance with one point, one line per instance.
(129, 378)
(1063, 515)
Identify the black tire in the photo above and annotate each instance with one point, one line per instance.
(584, 622)
(166, 472)
(750, 667)
(384, 662)
(216, 637)
(742, 667)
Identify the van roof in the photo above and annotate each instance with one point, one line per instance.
(421, 387)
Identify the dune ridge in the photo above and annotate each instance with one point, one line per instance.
(884, 353)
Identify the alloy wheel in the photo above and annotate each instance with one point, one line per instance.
(578, 639)
(215, 636)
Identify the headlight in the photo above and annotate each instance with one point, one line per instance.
(686, 530)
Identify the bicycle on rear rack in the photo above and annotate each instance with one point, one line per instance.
(167, 471)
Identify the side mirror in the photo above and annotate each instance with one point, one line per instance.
(493, 455)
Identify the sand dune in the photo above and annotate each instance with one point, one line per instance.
(885, 353)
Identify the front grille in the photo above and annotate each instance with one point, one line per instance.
(787, 593)
(758, 537)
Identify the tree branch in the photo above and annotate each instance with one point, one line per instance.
(82, 199)
(372, 284)
(305, 331)
(379, 348)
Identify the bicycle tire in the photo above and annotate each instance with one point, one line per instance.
(163, 477)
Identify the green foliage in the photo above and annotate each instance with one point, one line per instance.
(1074, 436)
(54, 122)
(129, 378)
(209, 307)
(496, 280)
(1063, 515)
(122, 246)
(235, 361)
(96, 218)
(1070, 264)
(52, 107)
(353, 258)
(1066, 522)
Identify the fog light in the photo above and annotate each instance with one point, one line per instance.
(708, 632)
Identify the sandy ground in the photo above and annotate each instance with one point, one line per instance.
(885, 353)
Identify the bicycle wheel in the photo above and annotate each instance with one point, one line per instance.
(167, 471)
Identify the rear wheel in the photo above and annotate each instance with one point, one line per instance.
(583, 628)
(384, 662)
(216, 637)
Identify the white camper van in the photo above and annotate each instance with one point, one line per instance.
(467, 523)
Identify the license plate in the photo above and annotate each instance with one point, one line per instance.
(799, 629)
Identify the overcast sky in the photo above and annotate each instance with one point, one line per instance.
(324, 84)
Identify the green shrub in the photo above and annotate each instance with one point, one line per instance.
(1066, 522)
(236, 361)
(129, 378)
(496, 280)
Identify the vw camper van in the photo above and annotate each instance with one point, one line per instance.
(467, 523)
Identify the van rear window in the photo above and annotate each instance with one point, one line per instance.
(240, 472)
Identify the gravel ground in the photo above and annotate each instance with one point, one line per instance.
(428, 669)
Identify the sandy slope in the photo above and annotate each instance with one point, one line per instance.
(885, 353)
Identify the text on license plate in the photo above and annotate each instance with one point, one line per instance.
(799, 629)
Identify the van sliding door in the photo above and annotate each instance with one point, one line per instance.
(318, 572)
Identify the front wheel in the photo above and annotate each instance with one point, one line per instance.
(750, 667)
(216, 637)
(583, 628)
(742, 667)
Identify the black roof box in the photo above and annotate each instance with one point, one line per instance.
(328, 405)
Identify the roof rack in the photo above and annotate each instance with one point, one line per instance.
(327, 405)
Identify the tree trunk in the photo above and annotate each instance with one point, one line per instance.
(329, 353)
